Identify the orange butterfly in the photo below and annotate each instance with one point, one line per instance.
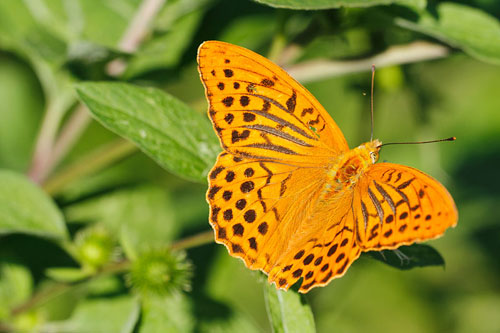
(287, 195)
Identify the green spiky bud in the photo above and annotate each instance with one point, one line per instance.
(160, 272)
(95, 247)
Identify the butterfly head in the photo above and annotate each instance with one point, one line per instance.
(369, 150)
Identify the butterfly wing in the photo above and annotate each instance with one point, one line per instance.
(260, 112)
(278, 141)
(256, 206)
(322, 248)
(397, 205)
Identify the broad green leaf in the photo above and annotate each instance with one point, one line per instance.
(16, 285)
(407, 257)
(327, 4)
(141, 217)
(25, 208)
(474, 31)
(288, 311)
(167, 314)
(112, 314)
(165, 50)
(175, 136)
(67, 274)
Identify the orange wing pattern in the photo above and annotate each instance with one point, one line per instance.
(257, 205)
(275, 196)
(321, 249)
(260, 112)
(397, 205)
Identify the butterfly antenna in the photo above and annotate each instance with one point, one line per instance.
(417, 142)
(371, 100)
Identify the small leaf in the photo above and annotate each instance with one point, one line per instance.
(67, 274)
(474, 31)
(407, 257)
(175, 136)
(167, 314)
(328, 4)
(288, 311)
(25, 208)
(16, 285)
(112, 314)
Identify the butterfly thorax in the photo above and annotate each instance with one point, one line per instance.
(345, 171)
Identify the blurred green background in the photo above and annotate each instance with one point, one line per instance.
(46, 47)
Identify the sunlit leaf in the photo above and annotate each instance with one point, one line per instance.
(175, 136)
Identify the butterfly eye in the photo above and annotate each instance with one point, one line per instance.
(373, 156)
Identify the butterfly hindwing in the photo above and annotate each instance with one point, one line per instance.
(322, 248)
(399, 205)
(256, 206)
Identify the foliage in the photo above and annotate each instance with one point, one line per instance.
(92, 209)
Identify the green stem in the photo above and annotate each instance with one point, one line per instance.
(88, 164)
(193, 241)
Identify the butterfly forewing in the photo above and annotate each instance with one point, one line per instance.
(260, 112)
(398, 205)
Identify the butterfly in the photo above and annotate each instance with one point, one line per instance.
(287, 195)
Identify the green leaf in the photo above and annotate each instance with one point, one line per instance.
(328, 4)
(113, 314)
(16, 285)
(288, 311)
(407, 257)
(167, 314)
(175, 136)
(67, 274)
(25, 208)
(141, 217)
(474, 31)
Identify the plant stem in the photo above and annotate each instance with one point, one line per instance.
(401, 54)
(89, 163)
(46, 136)
(135, 33)
(193, 241)
(70, 133)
